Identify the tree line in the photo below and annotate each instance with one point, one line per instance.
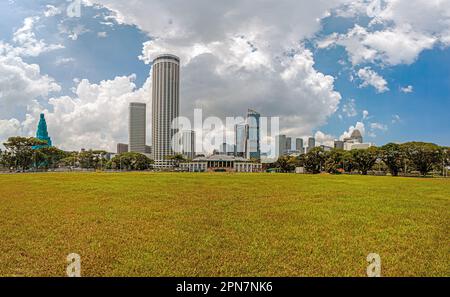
(393, 158)
(23, 154)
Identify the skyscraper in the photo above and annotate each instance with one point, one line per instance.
(311, 144)
(240, 134)
(42, 133)
(253, 137)
(188, 144)
(281, 148)
(166, 106)
(137, 127)
(299, 145)
(288, 143)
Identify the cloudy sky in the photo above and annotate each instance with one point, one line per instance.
(324, 67)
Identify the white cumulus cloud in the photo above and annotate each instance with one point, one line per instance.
(370, 78)
(408, 89)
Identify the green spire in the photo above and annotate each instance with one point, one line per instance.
(42, 132)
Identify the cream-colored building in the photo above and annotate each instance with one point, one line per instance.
(221, 163)
(355, 142)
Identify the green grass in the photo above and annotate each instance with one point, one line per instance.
(144, 224)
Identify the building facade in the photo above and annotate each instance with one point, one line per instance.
(299, 145)
(240, 134)
(355, 142)
(137, 131)
(339, 145)
(188, 144)
(122, 148)
(288, 143)
(221, 163)
(281, 148)
(165, 107)
(311, 144)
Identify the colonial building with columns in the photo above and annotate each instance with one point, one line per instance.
(221, 163)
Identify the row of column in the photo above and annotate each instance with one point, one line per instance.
(220, 164)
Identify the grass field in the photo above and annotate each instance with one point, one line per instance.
(144, 224)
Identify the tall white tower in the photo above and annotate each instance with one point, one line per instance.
(137, 127)
(166, 106)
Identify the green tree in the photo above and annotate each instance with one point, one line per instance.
(48, 157)
(445, 157)
(71, 160)
(334, 161)
(314, 160)
(130, 161)
(99, 159)
(92, 159)
(3, 162)
(423, 156)
(286, 164)
(21, 152)
(393, 156)
(177, 159)
(349, 164)
(7, 160)
(365, 159)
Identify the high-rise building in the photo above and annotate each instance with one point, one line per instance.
(122, 148)
(299, 145)
(281, 148)
(240, 133)
(188, 144)
(42, 133)
(165, 106)
(254, 135)
(311, 144)
(137, 127)
(288, 143)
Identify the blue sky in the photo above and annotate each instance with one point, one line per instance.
(100, 61)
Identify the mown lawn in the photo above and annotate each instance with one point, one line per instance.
(144, 224)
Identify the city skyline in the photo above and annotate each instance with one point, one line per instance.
(362, 81)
